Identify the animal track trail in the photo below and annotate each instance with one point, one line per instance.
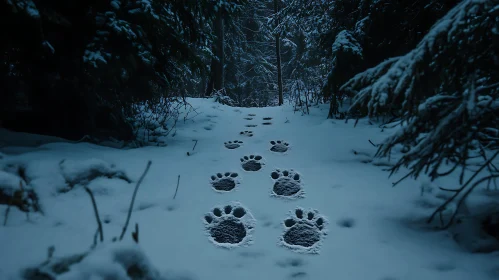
(279, 146)
(224, 182)
(287, 184)
(252, 163)
(230, 225)
(304, 231)
(231, 145)
(247, 133)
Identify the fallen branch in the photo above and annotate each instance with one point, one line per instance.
(96, 211)
(133, 199)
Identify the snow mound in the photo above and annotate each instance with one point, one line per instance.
(115, 261)
(81, 172)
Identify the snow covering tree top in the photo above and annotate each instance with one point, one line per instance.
(445, 91)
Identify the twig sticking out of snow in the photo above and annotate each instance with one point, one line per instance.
(6, 215)
(133, 199)
(194, 144)
(189, 153)
(135, 234)
(96, 211)
(176, 190)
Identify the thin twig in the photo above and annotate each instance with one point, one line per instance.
(449, 190)
(95, 238)
(96, 211)
(135, 234)
(194, 144)
(458, 191)
(176, 190)
(372, 143)
(133, 199)
(6, 215)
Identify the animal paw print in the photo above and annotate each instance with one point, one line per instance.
(248, 133)
(224, 182)
(251, 163)
(279, 146)
(231, 145)
(287, 184)
(230, 225)
(304, 231)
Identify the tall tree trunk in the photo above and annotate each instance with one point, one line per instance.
(278, 53)
(216, 81)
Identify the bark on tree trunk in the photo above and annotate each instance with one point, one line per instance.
(216, 81)
(278, 54)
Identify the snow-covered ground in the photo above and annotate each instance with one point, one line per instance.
(351, 223)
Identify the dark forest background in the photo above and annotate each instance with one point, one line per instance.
(80, 68)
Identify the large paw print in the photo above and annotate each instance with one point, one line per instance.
(230, 225)
(251, 163)
(248, 133)
(287, 184)
(231, 145)
(304, 231)
(279, 146)
(224, 182)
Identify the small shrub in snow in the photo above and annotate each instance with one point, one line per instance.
(83, 171)
(116, 261)
(221, 97)
(154, 120)
(15, 192)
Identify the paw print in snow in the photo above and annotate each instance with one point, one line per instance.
(287, 184)
(251, 163)
(248, 133)
(230, 226)
(224, 182)
(231, 145)
(279, 146)
(304, 231)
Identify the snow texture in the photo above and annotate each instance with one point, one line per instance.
(397, 76)
(345, 42)
(287, 184)
(28, 6)
(279, 146)
(224, 182)
(304, 231)
(230, 225)
(83, 171)
(252, 163)
(388, 237)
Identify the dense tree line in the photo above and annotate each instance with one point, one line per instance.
(72, 69)
(75, 68)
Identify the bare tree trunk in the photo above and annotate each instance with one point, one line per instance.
(216, 81)
(278, 54)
